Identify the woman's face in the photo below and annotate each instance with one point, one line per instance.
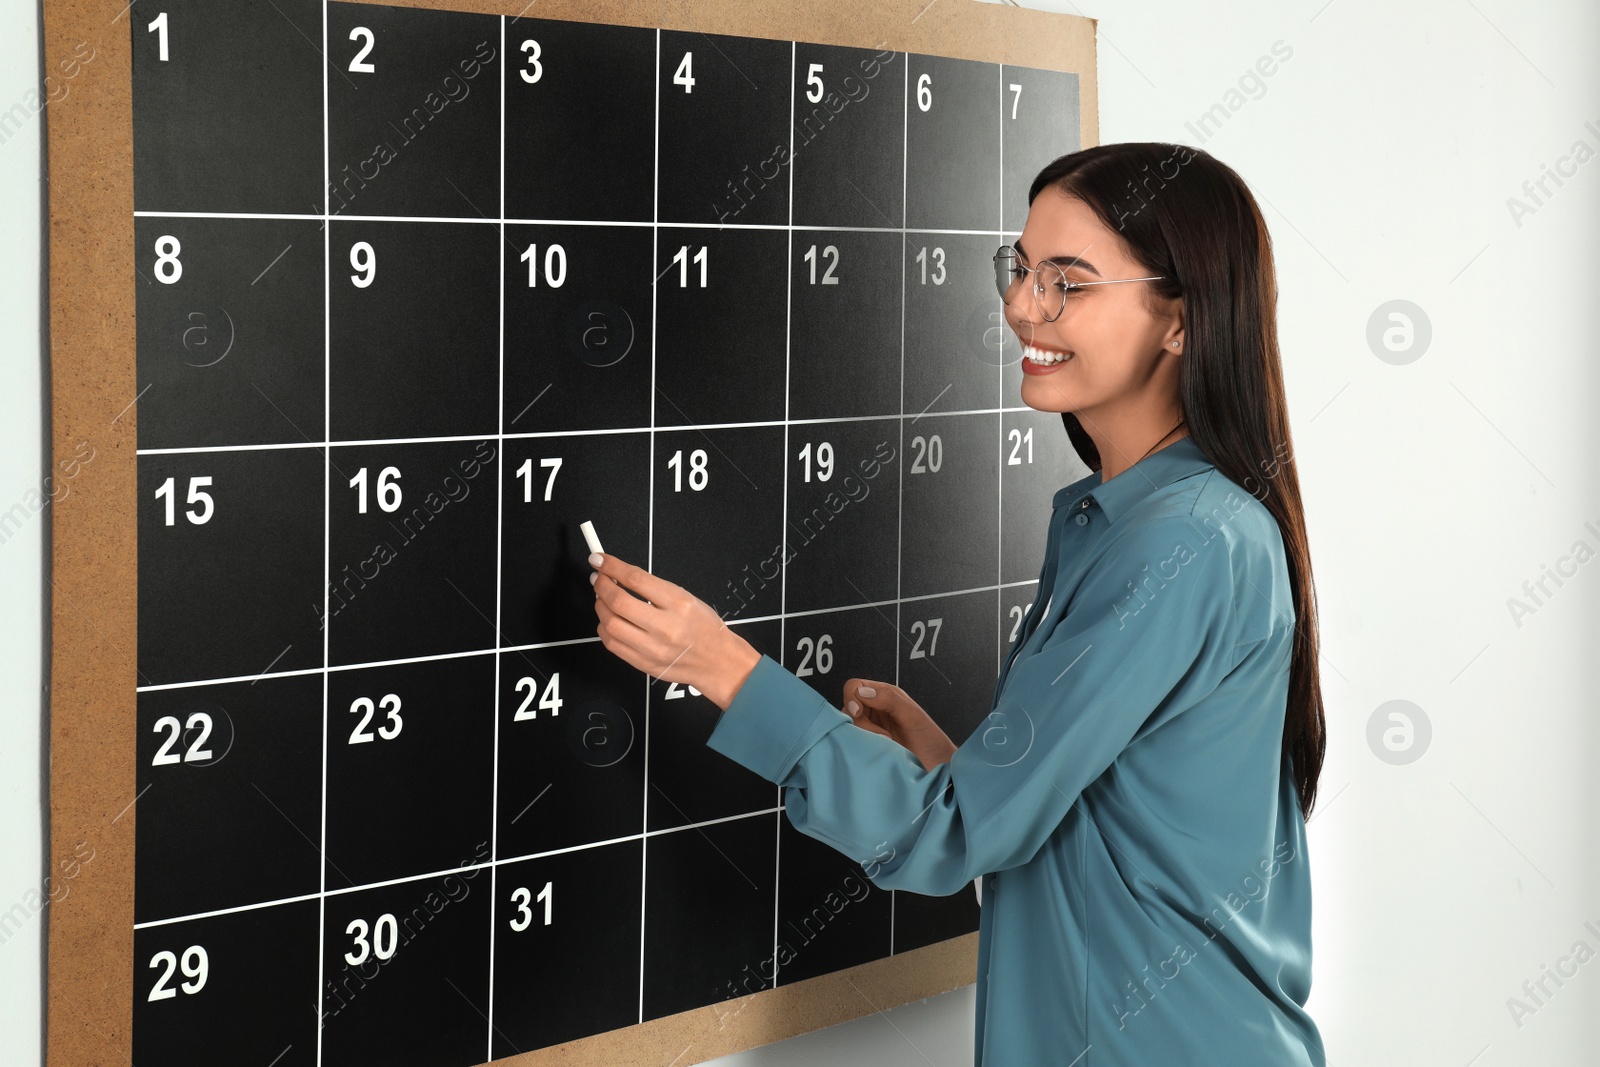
(1113, 343)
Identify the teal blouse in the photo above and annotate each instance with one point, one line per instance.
(1128, 791)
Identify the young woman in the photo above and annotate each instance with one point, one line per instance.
(1137, 798)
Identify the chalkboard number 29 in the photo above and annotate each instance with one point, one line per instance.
(195, 967)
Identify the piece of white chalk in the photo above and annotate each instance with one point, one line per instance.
(590, 536)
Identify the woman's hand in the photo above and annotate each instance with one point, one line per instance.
(671, 634)
(886, 709)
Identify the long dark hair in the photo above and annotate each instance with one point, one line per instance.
(1190, 218)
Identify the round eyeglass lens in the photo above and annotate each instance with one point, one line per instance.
(1048, 283)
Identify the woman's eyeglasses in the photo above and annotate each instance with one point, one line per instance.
(1049, 283)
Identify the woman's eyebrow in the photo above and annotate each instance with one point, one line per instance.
(1065, 262)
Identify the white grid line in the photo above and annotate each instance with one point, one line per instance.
(497, 862)
(327, 532)
(459, 438)
(650, 483)
(500, 649)
(783, 516)
(900, 503)
(661, 224)
(499, 566)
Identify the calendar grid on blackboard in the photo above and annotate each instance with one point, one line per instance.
(371, 648)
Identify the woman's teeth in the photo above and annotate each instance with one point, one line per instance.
(1039, 355)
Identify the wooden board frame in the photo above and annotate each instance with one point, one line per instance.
(93, 408)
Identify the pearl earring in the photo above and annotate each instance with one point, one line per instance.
(1174, 344)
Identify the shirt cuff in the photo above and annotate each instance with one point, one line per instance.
(773, 719)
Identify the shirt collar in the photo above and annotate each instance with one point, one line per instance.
(1155, 471)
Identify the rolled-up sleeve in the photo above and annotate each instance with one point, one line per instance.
(1148, 632)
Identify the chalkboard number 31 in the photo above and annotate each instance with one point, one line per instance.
(522, 897)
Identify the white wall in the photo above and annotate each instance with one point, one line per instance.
(1384, 152)
(23, 415)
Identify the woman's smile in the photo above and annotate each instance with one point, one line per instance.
(1039, 360)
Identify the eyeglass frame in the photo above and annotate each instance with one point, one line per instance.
(1034, 287)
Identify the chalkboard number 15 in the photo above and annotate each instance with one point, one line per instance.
(197, 495)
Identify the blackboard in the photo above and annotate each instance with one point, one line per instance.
(416, 291)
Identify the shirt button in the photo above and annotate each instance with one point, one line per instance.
(1082, 519)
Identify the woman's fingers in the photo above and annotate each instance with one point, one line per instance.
(617, 623)
(616, 599)
(870, 693)
(867, 724)
(629, 576)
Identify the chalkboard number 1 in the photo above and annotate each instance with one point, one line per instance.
(158, 26)
(197, 495)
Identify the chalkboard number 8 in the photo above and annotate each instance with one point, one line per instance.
(522, 897)
(194, 965)
(389, 495)
(698, 475)
(388, 731)
(197, 495)
(168, 267)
